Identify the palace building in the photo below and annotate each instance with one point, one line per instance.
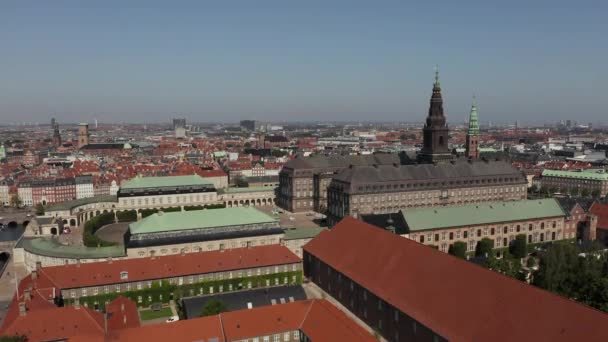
(153, 192)
(385, 183)
(593, 182)
(539, 220)
(389, 188)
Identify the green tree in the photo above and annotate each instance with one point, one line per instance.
(507, 265)
(574, 191)
(519, 248)
(484, 248)
(585, 193)
(596, 193)
(15, 201)
(458, 249)
(213, 307)
(39, 209)
(247, 145)
(278, 153)
(16, 338)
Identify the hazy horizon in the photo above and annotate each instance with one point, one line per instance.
(280, 61)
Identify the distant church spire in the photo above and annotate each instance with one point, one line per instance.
(472, 141)
(435, 131)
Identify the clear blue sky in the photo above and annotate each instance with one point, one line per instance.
(147, 61)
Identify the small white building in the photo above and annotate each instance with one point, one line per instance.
(84, 186)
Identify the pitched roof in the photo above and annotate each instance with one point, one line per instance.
(601, 175)
(122, 314)
(139, 269)
(458, 300)
(476, 214)
(200, 219)
(166, 181)
(56, 323)
(52, 248)
(441, 171)
(199, 329)
(568, 203)
(318, 319)
(601, 211)
(68, 205)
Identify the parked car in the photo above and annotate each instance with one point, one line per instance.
(172, 319)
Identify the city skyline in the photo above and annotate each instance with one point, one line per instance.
(280, 62)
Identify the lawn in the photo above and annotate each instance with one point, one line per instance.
(150, 314)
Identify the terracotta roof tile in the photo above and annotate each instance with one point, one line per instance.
(451, 296)
(139, 269)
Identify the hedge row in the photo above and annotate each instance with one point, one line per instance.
(92, 225)
(127, 216)
(147, 212)
(207, 206)
(164, 292)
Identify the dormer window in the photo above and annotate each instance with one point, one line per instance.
(124, 275)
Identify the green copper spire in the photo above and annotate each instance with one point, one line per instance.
(2, 152)
(473, 119)
(437, 84)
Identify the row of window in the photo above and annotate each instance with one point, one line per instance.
(178, 199)
(484, 232)
(435, 184)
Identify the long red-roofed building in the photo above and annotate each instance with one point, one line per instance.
(76, 280)
(411, 292)
(309, 320)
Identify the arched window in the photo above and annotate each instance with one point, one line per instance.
(440, 140)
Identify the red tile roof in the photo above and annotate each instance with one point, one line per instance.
(212, 173)
(139, 269)
(122, 314)
(601, 211)
(56, 323)
(318, 319)
(199, 329)
(455, 298)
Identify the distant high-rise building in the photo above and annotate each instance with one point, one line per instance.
(83, 135)
(472, 141)
(250, 125)
(569, 123)
(435, 131)
(56, 135)
(179, 122)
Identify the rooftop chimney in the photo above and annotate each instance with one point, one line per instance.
(77, 303)
(78, 262)
(109, 260)
(34, 274)
(38, 265)
(27, 294)
(22, 309)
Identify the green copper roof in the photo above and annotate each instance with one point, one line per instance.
(248, 189)
(167, 181)
(302, 233)
(200, 219)
(473, 120)
(477, 214)
(68, 205)
(437, 84)
(52, 248)
(600, 175)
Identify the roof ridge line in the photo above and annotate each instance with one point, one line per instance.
(312, 302)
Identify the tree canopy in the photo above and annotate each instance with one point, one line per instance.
(458, 249)
(213, 307)
(565, 271)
